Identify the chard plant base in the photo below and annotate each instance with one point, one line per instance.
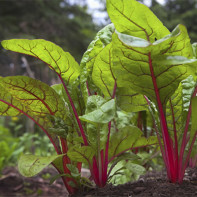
(152, 184)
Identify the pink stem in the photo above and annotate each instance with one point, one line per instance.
(75, 112)
(184, 139)
(164, 129)
(187, 158)
(175, 140)
(108, 138)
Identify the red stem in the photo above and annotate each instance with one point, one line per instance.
(187, 158)
(184, 139)
(175, 140)
(75, 112)
(164, 129)
(107, 143)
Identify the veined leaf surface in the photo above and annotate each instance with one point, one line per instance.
(127, 138)
(136, 65)
(133, 18)
(178, 105)
(59, 61)
(31, 96)
(102, 39)
(24, 95)
(30, 165)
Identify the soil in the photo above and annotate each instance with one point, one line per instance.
(153, 184)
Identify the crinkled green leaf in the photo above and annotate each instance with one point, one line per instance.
(179, 104)
(133, 18)
(102, 39)
(70, 123)
(193, 118)
(102, 73)
(194, 47)
(188, 86)
(137, 68)
(76, 96)
(58, 60)
(31, 165)
(103, 113)
(82, 154)
(74, 170)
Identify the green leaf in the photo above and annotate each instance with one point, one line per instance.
(102, 73)
(194, 47)
(125, 156)
(133, 18)
(179, 104)
(130, 101)
(54, 178)
(102, 39)
(136, 67)
(76, 96)
(30, 96)
(59, 61)
(127, 138)
(103, 113)
(82, 154)
(74, 170)
(31, 165)
(123, 140)
(24, 95)
(193, 118)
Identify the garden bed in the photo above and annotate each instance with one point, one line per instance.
(153, 184)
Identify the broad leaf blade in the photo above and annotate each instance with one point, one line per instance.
(33, 97)
(24, 95)
(127, 138)
(123, 140)
(59, 61)
(31, 165)
(103, 114)
(102, 39)
(83, 154)
(130, 101)
(137, 68)
(178, 105)
(133, 18)
(102, 74)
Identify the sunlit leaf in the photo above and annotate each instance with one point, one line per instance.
(136, 67)
(133, 18)
(31, 165)
(59, 61)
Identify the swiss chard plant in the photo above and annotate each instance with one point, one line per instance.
(132, 65)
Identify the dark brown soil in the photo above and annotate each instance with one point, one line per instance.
(13, 184)
(153, 184)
